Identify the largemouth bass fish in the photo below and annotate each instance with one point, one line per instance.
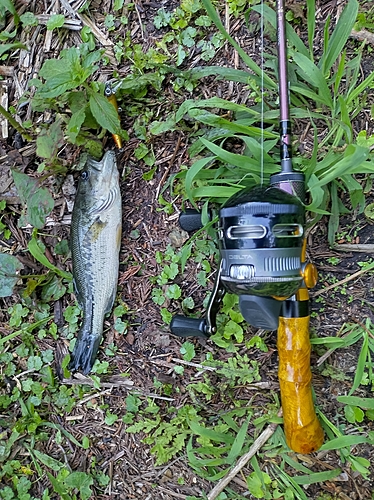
(95, 244)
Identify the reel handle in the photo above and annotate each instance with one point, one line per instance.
(302, 428)
(182, 326)
(190, 220)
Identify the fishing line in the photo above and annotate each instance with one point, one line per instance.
(262, 94)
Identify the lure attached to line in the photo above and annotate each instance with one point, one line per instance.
(110, 94)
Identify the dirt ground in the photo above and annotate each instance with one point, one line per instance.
(146, 352)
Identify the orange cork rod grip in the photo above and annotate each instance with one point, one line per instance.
(302, 428)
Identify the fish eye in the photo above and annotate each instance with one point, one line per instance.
(84, 175)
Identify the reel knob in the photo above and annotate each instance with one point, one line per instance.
(188, 327)
(190, 220)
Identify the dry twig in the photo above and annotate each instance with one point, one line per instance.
(257, 445)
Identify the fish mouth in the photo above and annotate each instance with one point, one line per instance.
(105, 165)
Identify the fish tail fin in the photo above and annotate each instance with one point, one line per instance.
(85, 351)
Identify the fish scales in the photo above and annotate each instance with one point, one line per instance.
(95, 245)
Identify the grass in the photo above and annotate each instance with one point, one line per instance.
(325, 90)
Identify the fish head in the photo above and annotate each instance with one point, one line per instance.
(98, 183)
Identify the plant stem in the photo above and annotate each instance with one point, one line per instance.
(15, 124)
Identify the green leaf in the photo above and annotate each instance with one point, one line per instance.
(55, 21)
(361, 363)
(8, 5)
(245, 57)
(82, 482)
(104, 113)
(74, 124)
(110, 418)
(211, 434)
(50, 462)
(365, 403)
(53, 290)
(317, 477)
(238, 444)
(344, 441)
(29, 19)
(4, 47)
(188, 351)
(38, 200)
(50, 140)
(9, 266)
(34, 363)
(314, 76)
(340, 36)
(40, 257)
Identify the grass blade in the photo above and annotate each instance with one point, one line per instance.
(311, 17)
(317, 477)
(339, 37)
(40, 257)
(365, 403)
(246, 59)
(360, 364)
(344, 442)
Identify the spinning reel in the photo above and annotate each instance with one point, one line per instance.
(262, 255)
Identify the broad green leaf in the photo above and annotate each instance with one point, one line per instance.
(105, 113)
(244, 162)
(210, 434)
(29, 19)
(9, 266)
(216, 121)
(50, 140)
(55, 21)
(216, 193)
(188, 351)
(9, 5)
(353, 161)
(40, 257)
(193, 172)
(82, 481)
(221, 73)
(38, 201)
(291, 35)
(53, 290)
(74, 125)
(311, 19)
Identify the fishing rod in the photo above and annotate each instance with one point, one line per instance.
(262, 246)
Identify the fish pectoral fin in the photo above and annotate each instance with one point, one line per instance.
(96, 228)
